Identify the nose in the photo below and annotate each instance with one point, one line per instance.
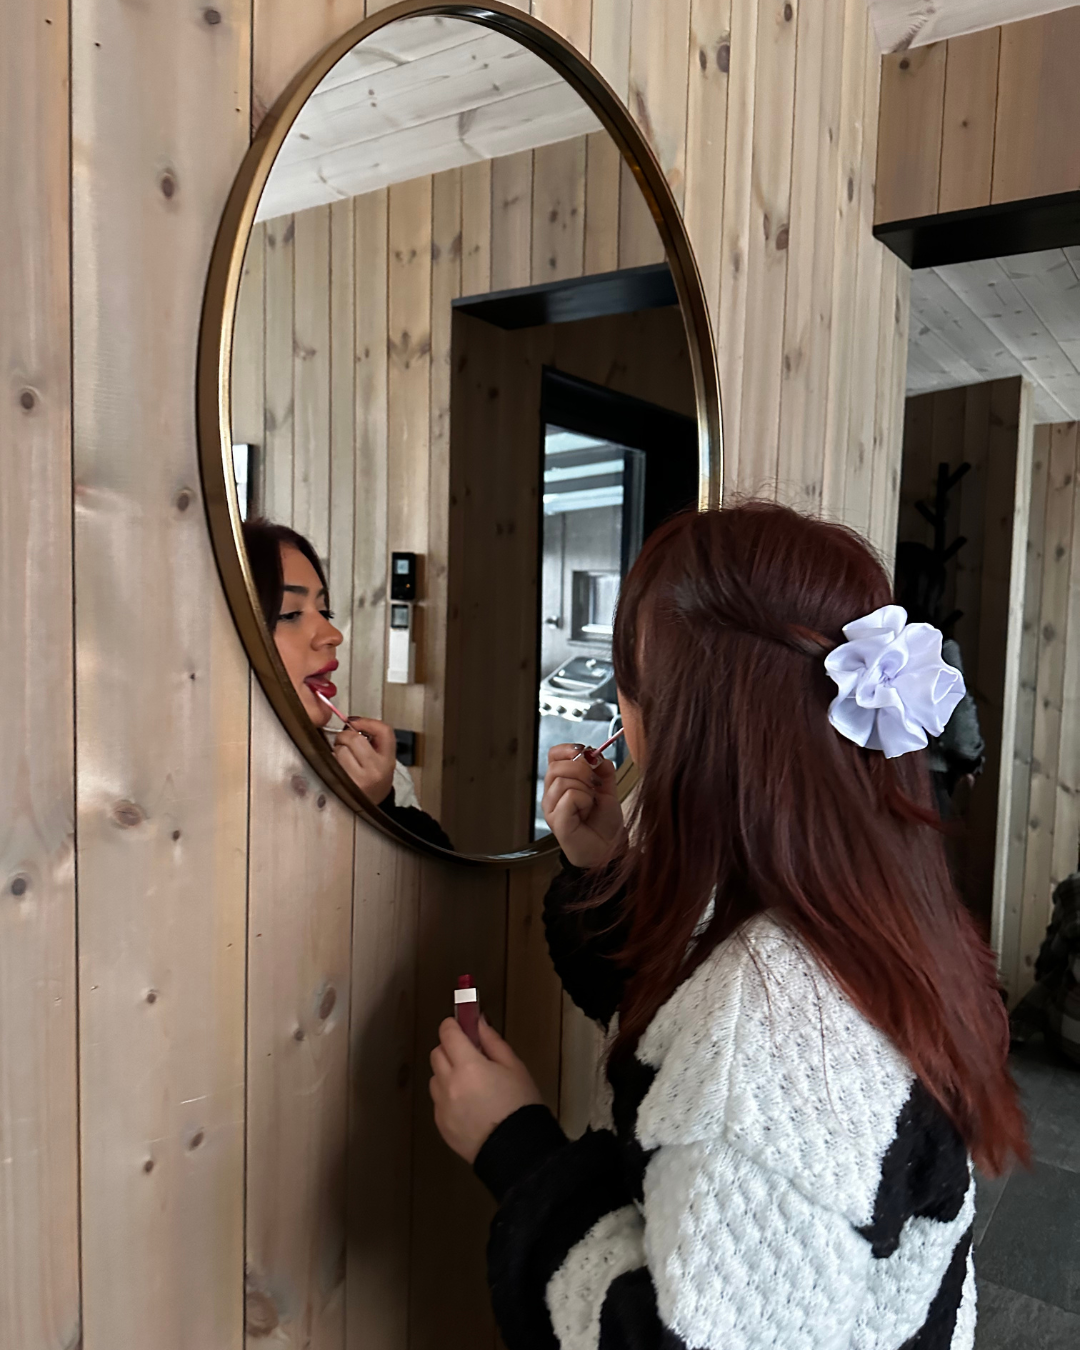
(328, 636)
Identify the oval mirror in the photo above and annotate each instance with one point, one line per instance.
(455, 365)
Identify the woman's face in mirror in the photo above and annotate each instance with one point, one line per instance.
(304, 636)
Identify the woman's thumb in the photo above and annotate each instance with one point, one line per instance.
(493, 1044)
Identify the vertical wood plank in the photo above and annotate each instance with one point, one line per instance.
(844, 332)
(311, 377)
(735, 242)
(462, 929)
(967, 133)
(370, 553)
(639, 240)
(970, 521)
(884, 464)
(603, 171)
(571, 19)
(287, 35)
(248, 383)
(1009, 902)
(511, 221)
(300, 920)
(1037, 90)
(909, 135)
(383, 1081)
(1067, 803)
(558, 227)
(808, 303)
(342, 448)
(1017, 552)
(706, 139)
(277, 475)
(767, 257)
(162, 768)
(657, 94)
(476, 238)
(533, 990)
(445, 287)
(1049, 689)
(409, 423)
(39, 1178)
(610, 47)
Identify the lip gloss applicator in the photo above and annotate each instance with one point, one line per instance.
(340, 715)
(598, 750)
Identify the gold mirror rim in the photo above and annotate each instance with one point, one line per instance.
(213, 391)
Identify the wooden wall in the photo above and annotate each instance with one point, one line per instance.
(987, 426)
(253, 979)
(1044, 824)
(989, 117)
(342, 376)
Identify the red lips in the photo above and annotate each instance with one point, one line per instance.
(319, 685)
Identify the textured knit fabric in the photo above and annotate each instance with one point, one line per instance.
(763, 1171)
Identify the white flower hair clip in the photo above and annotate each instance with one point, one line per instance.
(894, 688)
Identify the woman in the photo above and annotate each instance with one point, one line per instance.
(293, 594)
(806, 1045)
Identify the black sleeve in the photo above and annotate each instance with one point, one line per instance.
(553, 1192)
(417, 822)
(583, 943)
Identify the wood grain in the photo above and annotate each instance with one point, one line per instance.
(968, 120)
(1038, 106)
(558, 224)
(311, 377)
(342, 458)
(909, 133)
(370, 550)
(657, 91)
(299, 934)
(1049, 689)
(277, 459)
(769, 238)
(39, 1147)
(1067, 803)
(511, 220)
(162, 764)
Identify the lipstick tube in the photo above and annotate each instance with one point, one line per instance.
(467, 1008)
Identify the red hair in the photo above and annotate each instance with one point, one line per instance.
(750, 794)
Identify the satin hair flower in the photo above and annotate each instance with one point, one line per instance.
(894, 688)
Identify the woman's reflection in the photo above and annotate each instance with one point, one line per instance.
(292, 590)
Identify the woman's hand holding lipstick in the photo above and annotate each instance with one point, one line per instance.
(475, 1090)
(367, 751)
(581, 806)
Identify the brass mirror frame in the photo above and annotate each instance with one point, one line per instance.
(213, 392)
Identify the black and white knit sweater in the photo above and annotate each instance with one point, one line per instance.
(765, 1171)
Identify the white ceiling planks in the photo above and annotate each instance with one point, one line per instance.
(438, 95)
(899, 24)
(1000, 317)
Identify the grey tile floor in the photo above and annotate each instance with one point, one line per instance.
(1027, 1225)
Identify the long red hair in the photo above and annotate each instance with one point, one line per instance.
(749, 794)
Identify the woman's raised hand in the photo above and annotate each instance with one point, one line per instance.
(367, 751)
(581, 807)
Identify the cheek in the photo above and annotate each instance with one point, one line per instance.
(286, 640)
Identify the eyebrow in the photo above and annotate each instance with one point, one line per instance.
(301, 590)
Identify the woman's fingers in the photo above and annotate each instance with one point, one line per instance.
(379, 735)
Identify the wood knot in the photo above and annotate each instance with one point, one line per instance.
(298, 783)
(127, 815)
(148, 1165)
(260, 1314)
(850, 188)
(703, 58)
(151, 996)
(326, 1003)
(196, 1140)
(782, 238)
(723, 58)
(175, 835)
(298, 1034)
(905, 64)
(20, 885)
(27, 400)
(184, 499)
(789, 13)
(167, 184)
(212, 17)
(320, 800)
